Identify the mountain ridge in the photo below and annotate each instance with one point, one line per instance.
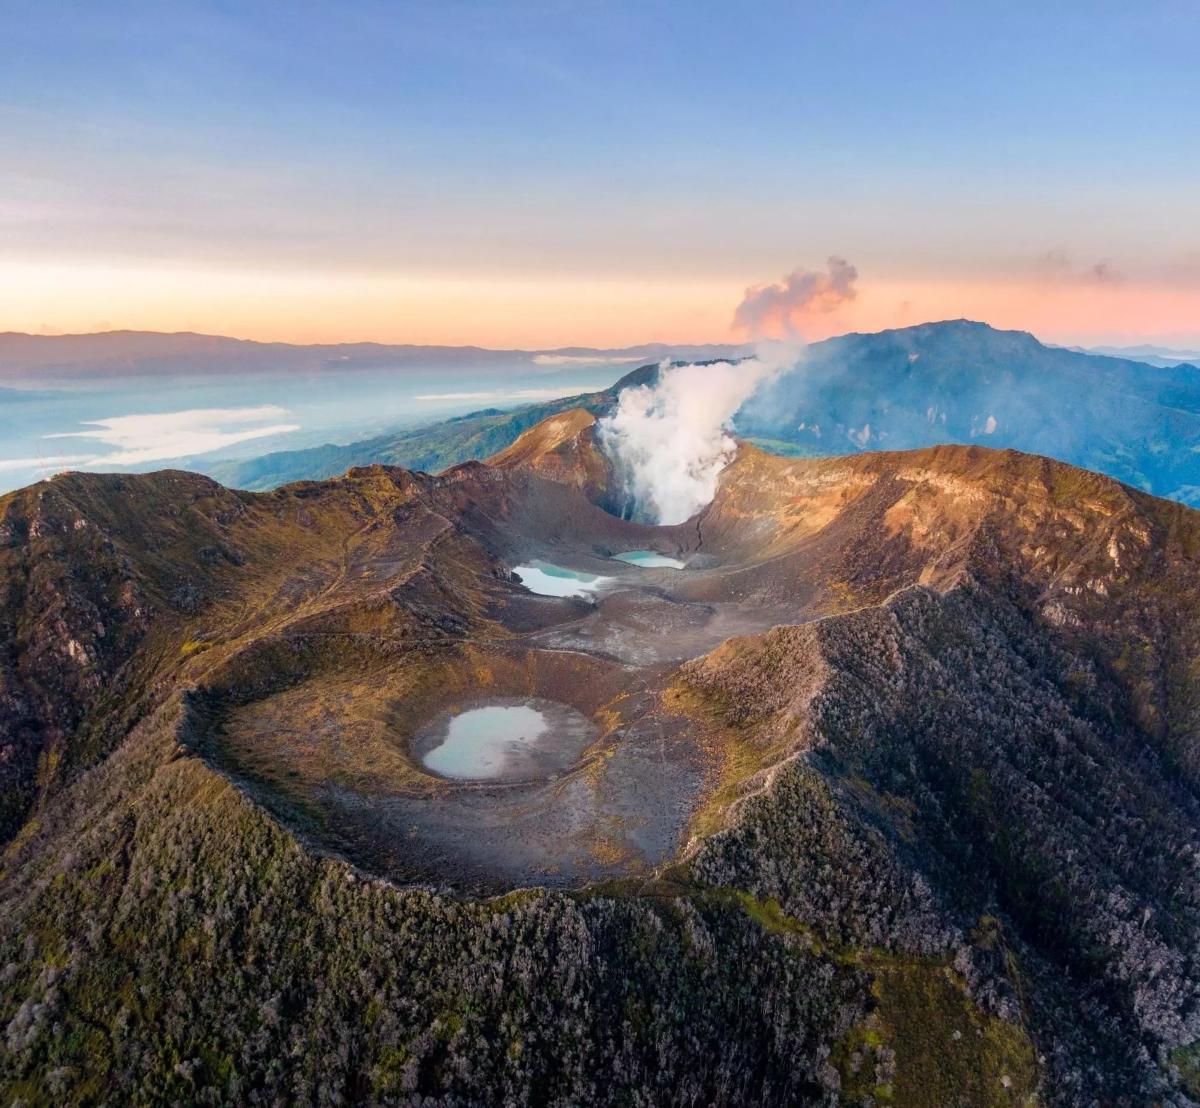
(896, 767)
(79, 356)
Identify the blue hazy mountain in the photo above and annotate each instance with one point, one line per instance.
(1167, 356)
(965, 382)
(953, 381)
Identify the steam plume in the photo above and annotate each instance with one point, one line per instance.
(780, 311)
(670, 440)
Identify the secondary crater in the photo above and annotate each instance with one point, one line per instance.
(505, 739)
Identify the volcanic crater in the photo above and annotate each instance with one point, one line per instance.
(330, 719)
(910, 738)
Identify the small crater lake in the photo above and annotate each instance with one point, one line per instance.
(649, 559)
(505, 740)
(547, 580)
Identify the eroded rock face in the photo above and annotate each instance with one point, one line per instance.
(958, 770)
(921, 727)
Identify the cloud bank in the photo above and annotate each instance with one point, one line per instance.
(156, 437)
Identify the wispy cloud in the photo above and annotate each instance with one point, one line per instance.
(156, 437)
(1053, 263)
(46, 464)
(1057, 265)
(1105, 274)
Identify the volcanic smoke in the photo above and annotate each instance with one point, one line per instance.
(670, 440)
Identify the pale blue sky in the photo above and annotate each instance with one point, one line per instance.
(672, 143)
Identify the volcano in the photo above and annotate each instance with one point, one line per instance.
(883, 788)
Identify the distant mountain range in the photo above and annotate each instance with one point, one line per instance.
(966, 382)
(954, 381)
(68, 359)
(1162, 356)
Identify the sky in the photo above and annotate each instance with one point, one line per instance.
(559, 173)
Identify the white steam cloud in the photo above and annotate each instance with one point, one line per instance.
(783, 310)
(671, 440)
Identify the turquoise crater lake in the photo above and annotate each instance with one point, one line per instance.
(505, 740)
(547, 580)
(649, 559)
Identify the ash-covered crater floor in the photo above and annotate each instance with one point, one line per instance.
(360, 747)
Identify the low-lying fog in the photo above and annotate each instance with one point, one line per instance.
(192, 422)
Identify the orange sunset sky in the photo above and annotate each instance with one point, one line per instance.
(598, 174)
(532, 313)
